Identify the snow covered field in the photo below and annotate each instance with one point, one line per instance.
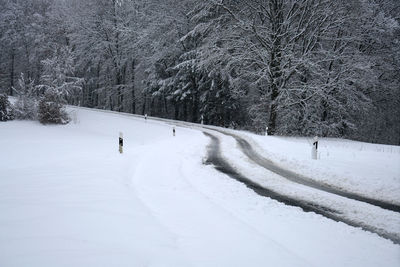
(68, 198)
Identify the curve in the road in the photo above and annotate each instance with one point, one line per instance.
(214, 158)
(294, 177)
(269, 165)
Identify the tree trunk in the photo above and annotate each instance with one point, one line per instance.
(144, 104)
(96, 92)
(324, 103)
(118, 71)
(165, 105)
(119, 92)
(111, 103)
(185, 110)
(12, 74)
(152, 106)
(176, 111)
(276, 20)
(195, 103)
(133, 105)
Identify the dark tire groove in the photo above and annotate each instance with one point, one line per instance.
(300, 179)
(221, 165)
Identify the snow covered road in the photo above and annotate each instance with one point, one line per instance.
(268, 179)
(339, 208)
(247, 149)
(68, 198)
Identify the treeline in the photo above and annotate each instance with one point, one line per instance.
(304, 67)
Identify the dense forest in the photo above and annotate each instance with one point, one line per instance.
(294, 67)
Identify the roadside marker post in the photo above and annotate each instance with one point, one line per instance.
(314, 149)
(121, 142)
(173, 131)
(145, 117)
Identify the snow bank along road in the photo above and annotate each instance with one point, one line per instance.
(68, 198)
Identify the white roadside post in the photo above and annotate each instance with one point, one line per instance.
(145, 117)
(314, 149)
(266, 131)
(202, 119)
(121, 142)
(173, 131)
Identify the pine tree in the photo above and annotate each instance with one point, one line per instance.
(6, 112)
(51, 110)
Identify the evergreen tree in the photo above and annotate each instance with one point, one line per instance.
(51, 110)
(6, 112)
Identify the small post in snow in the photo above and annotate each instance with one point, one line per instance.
(173, 131)
(145, 117)
(266, 131)
(314, 149)
(121, 142)
(202, 119)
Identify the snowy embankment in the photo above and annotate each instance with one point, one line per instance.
(68, 198)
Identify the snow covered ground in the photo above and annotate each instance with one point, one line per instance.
(68, 198)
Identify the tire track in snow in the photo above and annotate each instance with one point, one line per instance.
(214, 158)
(246, 148)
